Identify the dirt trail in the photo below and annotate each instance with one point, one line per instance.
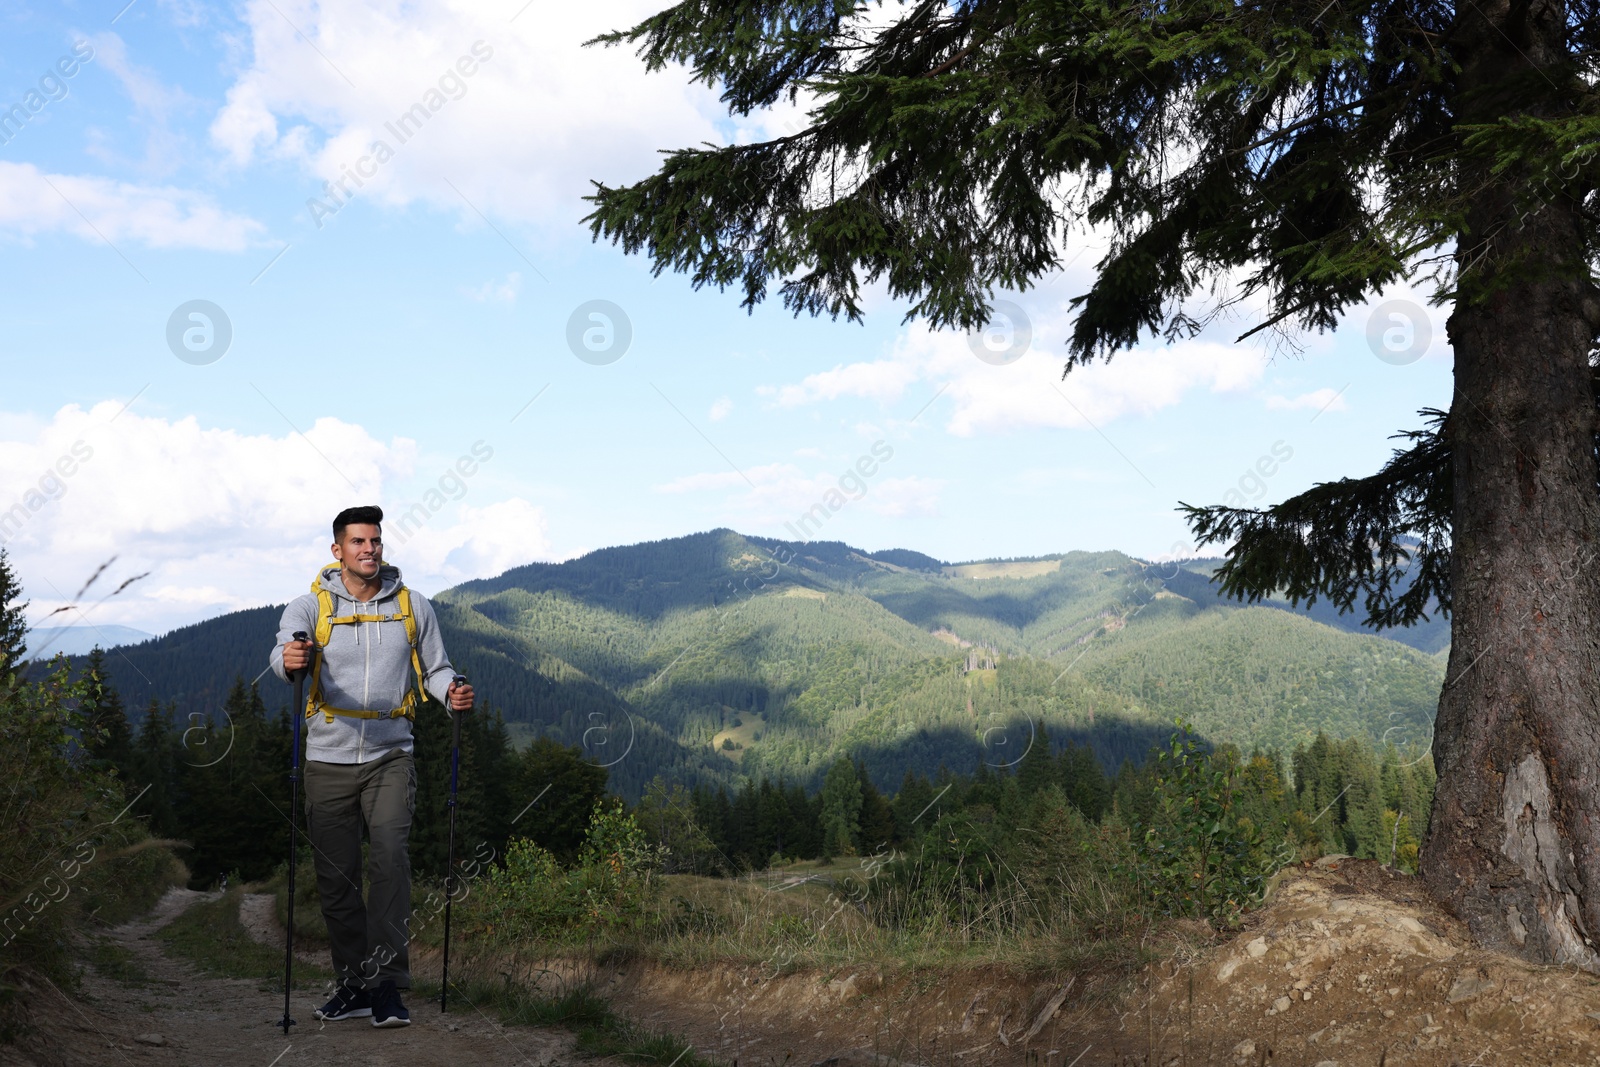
(181, 1017)
(1347, 965)
(257, 917)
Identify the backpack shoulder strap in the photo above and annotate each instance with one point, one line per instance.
(403, 598)
(325, 622)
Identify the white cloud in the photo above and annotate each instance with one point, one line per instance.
(720, 409)
(481, 542)
(520, 137)
(154, 103)
(184, 12)
(1316, 400)
(782, 492)
(143, 86)
(502, 292)
(986, 399)
(221, 520)
(771, 474)
(93, 208)
(883, 379)
(901, 497)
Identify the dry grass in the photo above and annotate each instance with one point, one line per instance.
(816, 917)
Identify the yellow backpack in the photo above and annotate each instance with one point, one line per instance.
(326, 621)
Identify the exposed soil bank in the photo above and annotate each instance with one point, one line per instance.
(1347, 964)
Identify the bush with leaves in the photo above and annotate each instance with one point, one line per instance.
(74, 846)
(1200, 853)
(534, 898)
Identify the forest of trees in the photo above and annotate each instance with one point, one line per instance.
(221, 787)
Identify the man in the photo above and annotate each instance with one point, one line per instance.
(370, 636)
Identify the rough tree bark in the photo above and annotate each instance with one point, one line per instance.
(1514, 841)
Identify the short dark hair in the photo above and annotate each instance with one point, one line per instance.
(369, 515)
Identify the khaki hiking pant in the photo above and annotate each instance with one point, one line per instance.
(368, 939)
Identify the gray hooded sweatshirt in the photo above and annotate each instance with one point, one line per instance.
(366, 666)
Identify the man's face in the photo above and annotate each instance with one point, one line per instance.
(360, 549)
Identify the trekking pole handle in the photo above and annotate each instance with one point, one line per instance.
(299, 636)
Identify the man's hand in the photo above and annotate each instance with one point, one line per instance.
(296, 655)
(460, 695)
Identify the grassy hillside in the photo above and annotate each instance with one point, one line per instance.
(646, 655)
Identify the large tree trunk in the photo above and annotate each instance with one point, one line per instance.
(1514, 843)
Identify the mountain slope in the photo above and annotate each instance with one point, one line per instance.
(717, 655)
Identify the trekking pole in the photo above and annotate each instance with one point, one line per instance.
(294, 841)
(450, 847)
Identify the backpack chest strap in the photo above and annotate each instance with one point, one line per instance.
(326, 621)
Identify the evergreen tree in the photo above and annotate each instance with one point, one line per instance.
(235, 807)
(744, 829)
(911, 807)
(1320, 154)
(1083, 781)
(804, 826)
(1037, 768)
(13, 622)
(841, 808)
(106, 735)
(489, 784)
(877, 817)
(772, 823)
(667, 815)
(154, 766)
(495, 760)
(983, 789)
(430, 749)
(554, 791)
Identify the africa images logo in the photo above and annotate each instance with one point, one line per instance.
(404, 127)
(52, 87)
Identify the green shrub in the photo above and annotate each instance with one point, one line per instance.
(1201, 855)
(74, 853)
(534, 898)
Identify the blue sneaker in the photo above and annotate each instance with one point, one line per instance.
(347, 1003)
(386, 1007)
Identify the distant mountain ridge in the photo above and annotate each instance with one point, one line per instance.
(717, 655)
(47, 641)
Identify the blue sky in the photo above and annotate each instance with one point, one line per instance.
(378, 338)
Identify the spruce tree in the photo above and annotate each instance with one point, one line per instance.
(1037, 768)
(554, 790)
(235, 806)
(1083, 781)
(877, 817)
(841, 808)
(803, 823)
(772, 823)
(1304, 156)
(154, 766)
(495, 760)
(666, 814)
(13, 622)
(106, 735)
(911, 807)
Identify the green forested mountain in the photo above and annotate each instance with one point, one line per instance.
(716, 657)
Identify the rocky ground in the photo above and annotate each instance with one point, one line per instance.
(1347, 965)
